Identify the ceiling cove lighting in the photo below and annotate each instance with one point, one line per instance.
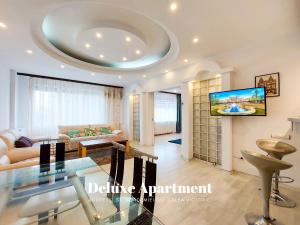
(196, 40)
(128, 39)
(62, 66)
(124, 59)
(98, 35)
(138, 52)
(173, 6)
(3, 25)
(101, 56)
(28, 51)
(87, 45)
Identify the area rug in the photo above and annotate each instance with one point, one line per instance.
(100, 156)
(176, 141)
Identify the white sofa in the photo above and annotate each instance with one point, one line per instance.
(12, 157)
(72, 143)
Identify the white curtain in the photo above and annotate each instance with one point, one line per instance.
(165, 113)
(54, 103)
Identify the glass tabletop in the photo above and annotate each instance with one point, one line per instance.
(73, 192)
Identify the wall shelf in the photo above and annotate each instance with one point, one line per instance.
(294, 120)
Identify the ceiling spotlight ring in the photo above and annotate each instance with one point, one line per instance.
(75, 39)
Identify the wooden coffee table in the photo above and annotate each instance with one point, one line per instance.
(101, 143)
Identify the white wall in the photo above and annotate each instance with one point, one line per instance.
(282, 56)
(22, 102)
(4, 97)
(205, 69)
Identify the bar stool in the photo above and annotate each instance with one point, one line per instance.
(266, 167)
(278, 149)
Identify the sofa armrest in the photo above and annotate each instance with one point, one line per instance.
(19, 154)
(64, 137)
(18, 165)
(117, 132)
(40, 139)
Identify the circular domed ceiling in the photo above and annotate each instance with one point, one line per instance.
(106, 36)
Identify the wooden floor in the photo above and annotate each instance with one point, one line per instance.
(233, 195)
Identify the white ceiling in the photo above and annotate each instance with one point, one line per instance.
(220, 25)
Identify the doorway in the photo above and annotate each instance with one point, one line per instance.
(167, 115)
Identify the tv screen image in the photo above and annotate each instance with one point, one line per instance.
(242, 102)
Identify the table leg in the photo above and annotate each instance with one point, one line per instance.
(83, 152)
(79, 149)
(127, 147)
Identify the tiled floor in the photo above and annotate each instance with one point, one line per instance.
(233, 195)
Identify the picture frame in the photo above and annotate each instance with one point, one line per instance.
(271, 82)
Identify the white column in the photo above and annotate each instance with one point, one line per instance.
(147, 118)
(129, 108)
(187, 120)
(13, 99)
(226, 129)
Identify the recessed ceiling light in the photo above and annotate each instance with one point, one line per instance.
(124, 59)
(196, 40)
(98, 35)
(101, 56)
(62, 66)
(173, 6)
(2, 25)
(29, 51)
(93, 74)
(144, 75)
(186, 60)
(120, 77)
(166, 71)
(218, 75)
(138, 52)
(87, 45)
(128, 39)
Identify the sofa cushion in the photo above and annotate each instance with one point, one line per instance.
(3, 148)
(105, 130)
(23, 142)
(21, 154)
(4, 160)
(15, 132)
(9, 139)
(90, 132)
(73, 133)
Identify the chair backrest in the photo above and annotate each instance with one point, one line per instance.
(274, 145)
(263, 162)
(137, 177)
(150, 180)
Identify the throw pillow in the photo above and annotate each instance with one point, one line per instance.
(105, 130)
(23, 142)
(90, 132)
(73, 133)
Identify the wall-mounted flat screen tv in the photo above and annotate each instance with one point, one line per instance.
(242, 102)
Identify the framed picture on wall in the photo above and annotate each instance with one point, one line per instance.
(271, 82)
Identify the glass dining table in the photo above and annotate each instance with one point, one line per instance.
(71, 192)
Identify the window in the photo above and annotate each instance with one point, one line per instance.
(165, 113)
(55, 103)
